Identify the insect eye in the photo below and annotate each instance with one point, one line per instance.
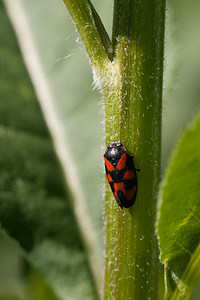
(119, 145)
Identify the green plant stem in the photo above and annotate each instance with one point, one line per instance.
(91, 30)
(130, 79)
(134, 118)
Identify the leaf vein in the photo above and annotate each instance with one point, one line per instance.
(194, 215)
(186, 250)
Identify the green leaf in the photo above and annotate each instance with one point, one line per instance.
(35, 202)
(62, 79)
(26, 283)
(179, 216)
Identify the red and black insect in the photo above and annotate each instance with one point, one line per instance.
(121, 174)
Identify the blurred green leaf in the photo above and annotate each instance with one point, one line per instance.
(10, 271)
(196, 291)
(34, 199)
(37, 288)
(179, 216)
(15, 272)
(182, 70)
(62, 78)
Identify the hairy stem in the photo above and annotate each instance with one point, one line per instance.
(130, 78)
(91, 30)
(133, 111)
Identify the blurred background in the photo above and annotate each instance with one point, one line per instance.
(55, 262)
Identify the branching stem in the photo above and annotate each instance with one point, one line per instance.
(130, 78)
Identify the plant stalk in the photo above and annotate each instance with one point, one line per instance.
(130, 78)
(133, 110)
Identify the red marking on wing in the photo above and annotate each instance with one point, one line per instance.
(129, 194)
(109, 178)
(128, 175)
(109, 166)
(118, 187)
(122, 162)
